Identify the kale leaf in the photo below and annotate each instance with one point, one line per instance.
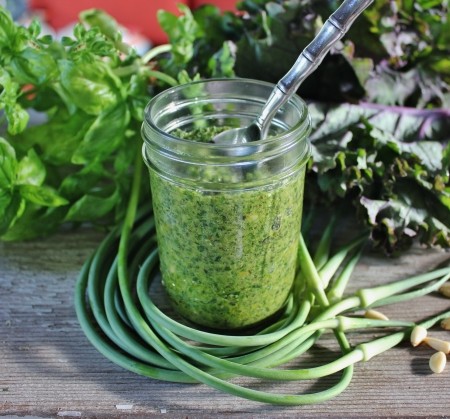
(391, 163)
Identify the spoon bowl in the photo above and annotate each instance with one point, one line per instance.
(242, 135)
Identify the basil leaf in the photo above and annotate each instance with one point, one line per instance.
(36, 221)
(16, 116)
(125, 156)
(8, 164)
(31, 170)
(9, 207)
(33, 66)
(58, 138)
(104, 135)
(75, 185)
(91, 207)
(91, 86)
(7, 28)
(107, 25)
(182, 31)
(221, 64)
(42, 195)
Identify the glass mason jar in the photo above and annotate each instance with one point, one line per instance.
(227, 216)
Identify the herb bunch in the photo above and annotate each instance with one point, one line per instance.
(87, 96)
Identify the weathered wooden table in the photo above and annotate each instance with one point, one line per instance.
(49, 369)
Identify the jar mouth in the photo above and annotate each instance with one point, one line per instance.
(217, 93)
(230, 103)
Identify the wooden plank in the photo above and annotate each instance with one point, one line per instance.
(49, 369)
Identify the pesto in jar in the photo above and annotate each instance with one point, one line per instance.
(228, 257)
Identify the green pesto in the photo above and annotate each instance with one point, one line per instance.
(228, 258)
(201, 135)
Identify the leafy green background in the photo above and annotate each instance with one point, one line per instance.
(379, 103)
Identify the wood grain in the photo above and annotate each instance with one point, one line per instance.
(49, 369)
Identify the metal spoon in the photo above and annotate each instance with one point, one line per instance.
(333, 29)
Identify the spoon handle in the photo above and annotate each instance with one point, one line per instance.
(333, 29)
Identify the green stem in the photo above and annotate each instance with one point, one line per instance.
(98, 340)
(335, 262)
(130, 217)
(338, 287)
(161, 76)
(310, 273)
(140, 64)
(127, 70)
(160, 49)
(412, 294)
(155, 314)
(322, 252)
(369, 296)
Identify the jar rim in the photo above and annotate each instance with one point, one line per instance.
(300, 129)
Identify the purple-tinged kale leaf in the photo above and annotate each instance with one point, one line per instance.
(392, 163)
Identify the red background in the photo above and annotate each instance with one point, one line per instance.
(137, 15)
